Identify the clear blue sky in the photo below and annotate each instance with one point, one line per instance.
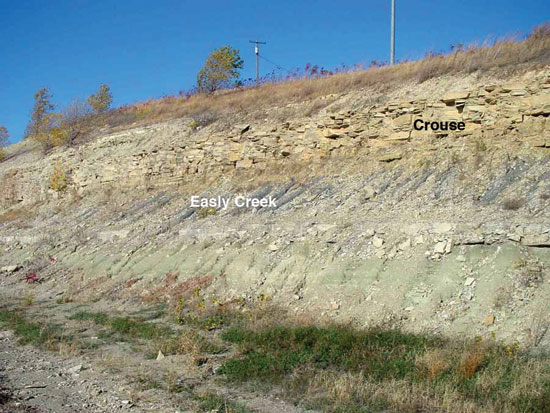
(145, 48)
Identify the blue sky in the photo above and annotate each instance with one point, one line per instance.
(145, 48)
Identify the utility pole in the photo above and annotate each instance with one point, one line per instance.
(392, 46)
(257, 52)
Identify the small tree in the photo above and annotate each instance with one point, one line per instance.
(219, 70)
(4, 135)
(40, 119)
(102, 100)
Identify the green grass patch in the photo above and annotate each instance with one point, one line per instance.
(124, 327)
(274, 352)
(98, 318)
(486, 374)
(29, 332)
(128, 327)
(214, 403)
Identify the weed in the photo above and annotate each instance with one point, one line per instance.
(98, 318)
(39, 334)
(29, 300)
(63, 300)
(59, 179)
(480, 146)
(206, 212)
(214, 403)
(471, 362)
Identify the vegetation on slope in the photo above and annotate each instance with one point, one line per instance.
(80, 119)
(500, 55)
(322, 366)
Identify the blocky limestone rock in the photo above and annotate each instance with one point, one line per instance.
(452, 97)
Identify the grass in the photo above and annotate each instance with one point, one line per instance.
(499, 56)
(124, 327)
(189, 342)
(338, 368)
(326, 367)
(485, 375)
(98, 318)
(63, 300)
(36, 333)
(15, 214)
(214, 403)
(29, 300)
(274, 352)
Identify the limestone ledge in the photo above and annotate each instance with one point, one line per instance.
(171, 152)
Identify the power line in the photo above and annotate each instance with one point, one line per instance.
(392, 42)
(278, 66)
(257, 52)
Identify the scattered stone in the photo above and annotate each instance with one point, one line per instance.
(368, 193)
(469, 281)
(419, 240)
(452, 97)
(76, 369)
(489, 320)
(442, 227)
(449, 247)
(390, 157)
(405, 245)
(369, 233)
(377, 242)
(9, 268)
(440, 247)
(325, 227)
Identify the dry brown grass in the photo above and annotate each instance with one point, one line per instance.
(513, 204)
(352, 389)
(13, 214)
(508, 53)
(471, 362)
(435, 362)
(173, 290)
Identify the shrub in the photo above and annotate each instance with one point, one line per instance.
(75, 119)
(58, 180)
(219, 70)
(203, 119)
(206, 212)
(540, 32)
